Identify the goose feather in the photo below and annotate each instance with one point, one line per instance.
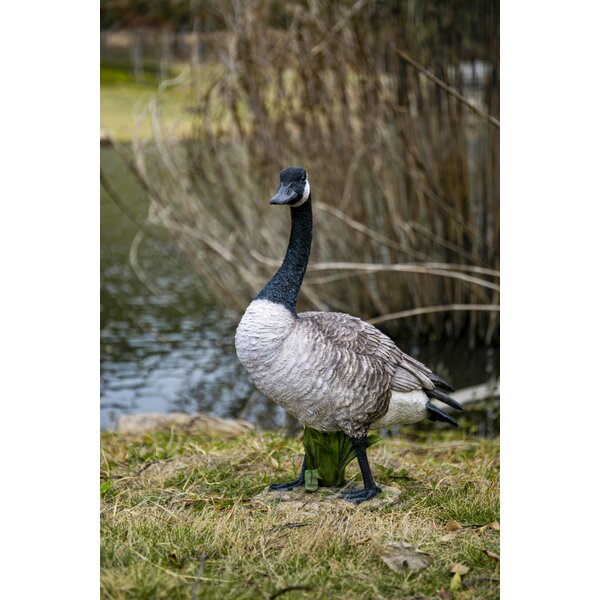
(331, 371)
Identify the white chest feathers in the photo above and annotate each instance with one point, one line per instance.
(260, 335)
(277, 358)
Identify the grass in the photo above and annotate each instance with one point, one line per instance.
(178, 520)
(123, 101)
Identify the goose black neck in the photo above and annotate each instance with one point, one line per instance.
(284, 286)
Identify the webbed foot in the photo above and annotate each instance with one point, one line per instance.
(290, 485)
(358, 496)
(287, 486)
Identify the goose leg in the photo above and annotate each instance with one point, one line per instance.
(370, 489)
(290, 485)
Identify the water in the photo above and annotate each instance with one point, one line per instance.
(169, 349)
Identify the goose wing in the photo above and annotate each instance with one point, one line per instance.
(363, 339)
(368, 361)
(351, 364)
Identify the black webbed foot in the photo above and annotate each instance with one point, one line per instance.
(290, 485)
(370, 490)
(287, 486)
(358, 496)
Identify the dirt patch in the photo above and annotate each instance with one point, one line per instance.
(326, 499)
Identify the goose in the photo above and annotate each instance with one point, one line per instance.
(330, 370)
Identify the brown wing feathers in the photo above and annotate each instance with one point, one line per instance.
(407, 373)
(422, 377)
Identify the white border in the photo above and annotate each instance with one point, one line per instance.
(49, 236)
(549, 224)
(49, 316)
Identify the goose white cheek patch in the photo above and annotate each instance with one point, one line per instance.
(306, 192)
(305, 195)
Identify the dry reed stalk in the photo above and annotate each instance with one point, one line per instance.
(401, 170)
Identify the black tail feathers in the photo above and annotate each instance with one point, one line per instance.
(436, 414)
(439, 382)
(438, 395)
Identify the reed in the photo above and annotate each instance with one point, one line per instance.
(400, 143)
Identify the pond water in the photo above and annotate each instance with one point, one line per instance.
(167, 349)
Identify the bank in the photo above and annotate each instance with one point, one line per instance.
(184, 514)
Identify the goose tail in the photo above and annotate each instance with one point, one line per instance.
(440, 382)
(437, 414)
(442, 397)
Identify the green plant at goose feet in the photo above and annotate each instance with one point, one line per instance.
(327, 456)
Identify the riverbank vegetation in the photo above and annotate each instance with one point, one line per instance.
(397, 125)
(180, 518)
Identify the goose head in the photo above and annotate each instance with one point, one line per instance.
(294, 188)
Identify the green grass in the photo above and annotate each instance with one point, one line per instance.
(177, 519)
(124, 101)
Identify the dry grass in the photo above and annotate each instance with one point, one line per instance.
(177, 520)
(402, 171)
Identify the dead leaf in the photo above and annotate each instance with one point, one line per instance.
(460, 569)
(481, 530)
(494, 525)
(400, 555)
(492, 554)
(453, 526)
(444, 595)
(448, 537)
(455, 583)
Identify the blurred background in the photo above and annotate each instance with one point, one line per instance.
(393, 109)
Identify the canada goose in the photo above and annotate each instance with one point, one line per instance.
(331, 371)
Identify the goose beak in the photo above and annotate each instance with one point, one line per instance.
(285, 195)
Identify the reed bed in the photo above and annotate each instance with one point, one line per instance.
(397, 125)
